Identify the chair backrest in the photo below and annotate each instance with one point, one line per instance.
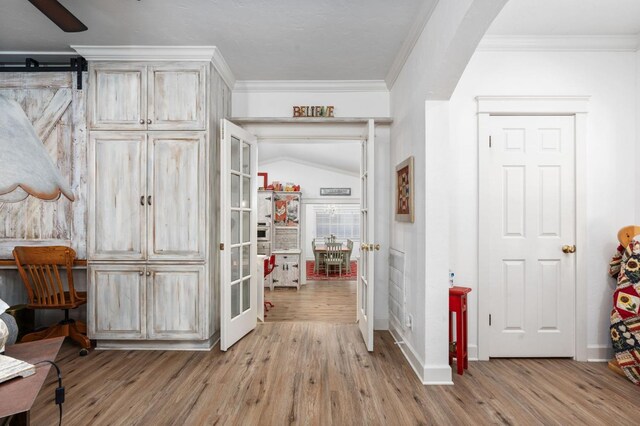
(334, 252)
(313, 245)
(39, 268)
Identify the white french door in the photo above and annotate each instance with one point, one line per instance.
(368, 247)
(530, 190)
(238, 222)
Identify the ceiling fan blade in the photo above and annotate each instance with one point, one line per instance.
(59, 14)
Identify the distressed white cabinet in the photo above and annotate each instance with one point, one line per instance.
(148, 97)
(287, 270)
(265, 208)
(117, 195)
(118, 95)
(176, 197)
(175, 302)
(147, 195)
(156, 302)
(116, 308)
(176, 97)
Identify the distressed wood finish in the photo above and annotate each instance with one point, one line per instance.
(175, 302)
(119, 96)
(57, 110)
(322, 374)
(117, 308)
(176, 184)
(118, 182)
(177, 96)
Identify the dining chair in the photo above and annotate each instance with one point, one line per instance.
(316, 257)
(347, 256)
(40, 269)
(333, 257)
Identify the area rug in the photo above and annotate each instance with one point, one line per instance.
(334, 275)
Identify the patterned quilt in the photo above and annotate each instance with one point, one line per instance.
(625, 316)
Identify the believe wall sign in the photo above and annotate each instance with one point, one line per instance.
(313, 111)
(332, 192)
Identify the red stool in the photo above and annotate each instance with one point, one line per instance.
(269, 266)
(458, 305)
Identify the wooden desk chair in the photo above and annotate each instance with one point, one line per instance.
(40, 273)
(333, 257)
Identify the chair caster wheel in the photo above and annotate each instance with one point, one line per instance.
(84, 352)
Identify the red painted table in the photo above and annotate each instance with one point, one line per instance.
(458, 305)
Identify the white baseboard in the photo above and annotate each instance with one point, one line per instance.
(428, 375)
(472, 351)
(599, 353)
(381, 323)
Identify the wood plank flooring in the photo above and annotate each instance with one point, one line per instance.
(314, 373)
(325, 301)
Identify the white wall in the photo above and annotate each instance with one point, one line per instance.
(420, 128)
(612, 181)
(279, 104)
(310, 178)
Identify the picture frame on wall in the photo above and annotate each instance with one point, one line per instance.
(405, 191)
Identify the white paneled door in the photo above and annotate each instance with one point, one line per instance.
(238, 223)
(368, 246)
(531, 195)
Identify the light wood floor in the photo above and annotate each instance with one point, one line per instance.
(325, 301)
(320, 374)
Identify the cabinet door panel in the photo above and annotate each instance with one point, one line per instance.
(177, 96)
(116, 302)
(117, 183)
(175, 302)
(176, 183)
(118, 97)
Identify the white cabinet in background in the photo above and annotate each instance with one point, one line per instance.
(287, 270)
(147, 97)
(265, 208)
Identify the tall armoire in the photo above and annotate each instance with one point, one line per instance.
(153, 118)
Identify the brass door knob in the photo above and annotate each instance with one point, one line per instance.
(568, 249)
(377, 247)
(364, 247)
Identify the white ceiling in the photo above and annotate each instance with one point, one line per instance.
(568, 17)
(260, 39)
(339, 155)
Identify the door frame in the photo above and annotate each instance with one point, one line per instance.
(573, 106)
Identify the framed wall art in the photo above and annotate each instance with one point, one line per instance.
(405, 200)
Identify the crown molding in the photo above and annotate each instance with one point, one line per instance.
(220, 64)
(146, 53)
(566, 43)
(407, 46)
(310, 86)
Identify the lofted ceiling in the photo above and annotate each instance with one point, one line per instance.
(568, 17)
(331, 155)
(260, 39)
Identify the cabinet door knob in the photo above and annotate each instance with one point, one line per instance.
(149, 200)
(148, 121)
(148, 273)
(142, 200)
(140, 273)
(142, 121)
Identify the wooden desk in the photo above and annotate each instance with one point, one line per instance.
(17, 395)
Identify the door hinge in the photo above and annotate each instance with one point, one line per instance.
(222, 132)
(275, 281)
(296, 266)
(489, 320)
(489, 141)
(295, 281)
(221, 246)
